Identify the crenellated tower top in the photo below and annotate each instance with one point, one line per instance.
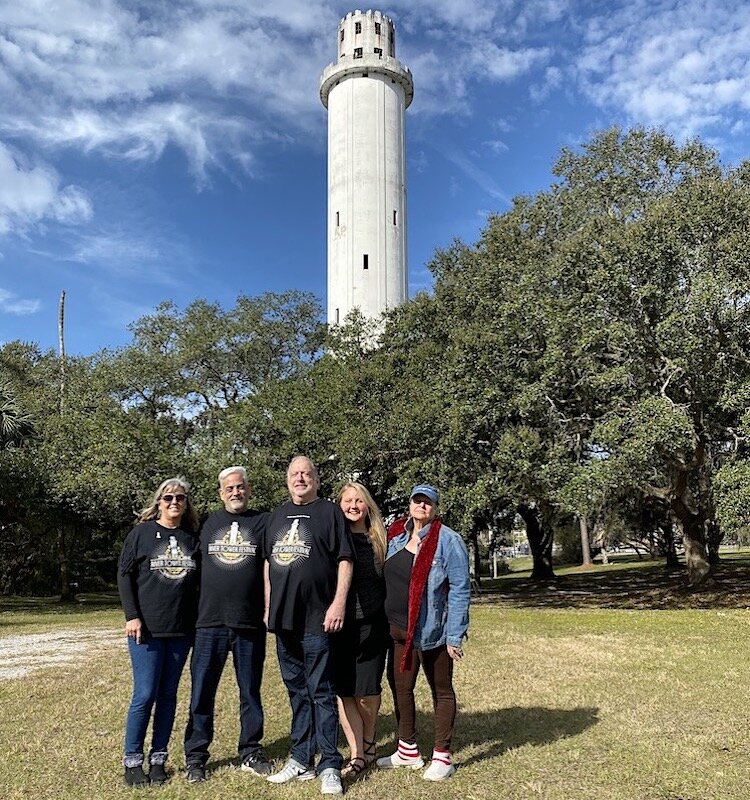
(366, 42)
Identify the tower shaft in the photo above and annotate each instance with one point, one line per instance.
(366, 93)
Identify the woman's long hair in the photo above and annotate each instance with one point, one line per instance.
(151, 511)
(373, 520)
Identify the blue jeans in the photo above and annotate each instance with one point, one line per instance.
(212, 646)
(157, 666)
(307, 671)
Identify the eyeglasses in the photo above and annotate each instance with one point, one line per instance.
(179, 498)
(420, 500)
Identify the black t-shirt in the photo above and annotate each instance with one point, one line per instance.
(157, 579)
(368, 586)
(231, 569)
(397, 572)
(304, 545)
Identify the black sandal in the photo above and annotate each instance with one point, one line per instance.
(354, 767)
(370, 751)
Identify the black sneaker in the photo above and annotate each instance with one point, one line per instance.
(135, 777)
(157, 774)
(195, 773)
(257, 763)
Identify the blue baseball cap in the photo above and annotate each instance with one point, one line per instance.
(427, 491)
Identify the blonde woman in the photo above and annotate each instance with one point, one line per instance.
(360, 648)
(157, 582)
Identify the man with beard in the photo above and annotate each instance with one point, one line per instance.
(230, 618)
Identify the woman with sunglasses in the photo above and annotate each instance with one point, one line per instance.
(157, 582)
(427, 589)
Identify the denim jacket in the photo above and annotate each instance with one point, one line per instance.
(444, 613)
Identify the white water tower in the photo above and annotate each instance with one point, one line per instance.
(366, 92)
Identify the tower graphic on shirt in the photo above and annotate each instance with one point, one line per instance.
(172, 562)
(291, 547)
(231, 549)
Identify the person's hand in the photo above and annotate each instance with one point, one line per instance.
(133, 629)
(456, 653)
(334, 618)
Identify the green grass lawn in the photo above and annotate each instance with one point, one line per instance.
(568, 700)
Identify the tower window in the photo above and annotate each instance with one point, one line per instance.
(357, 27)
(395, 217)
(341, 35)
(377, 29)
(365, 261)
(357, 52)
(337, 316)
(378, 52)
(337, 218)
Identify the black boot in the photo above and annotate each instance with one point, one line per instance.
(136, 777)
(158, 774)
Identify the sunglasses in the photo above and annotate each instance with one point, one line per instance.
(180, 498)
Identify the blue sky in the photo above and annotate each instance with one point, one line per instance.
(156, 151)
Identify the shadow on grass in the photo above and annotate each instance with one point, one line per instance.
(275, 750)
(645, 585)
(494, 732)
(489, 733)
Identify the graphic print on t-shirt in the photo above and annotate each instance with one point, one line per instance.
(171, 562)
(231, 549)
(293, 546)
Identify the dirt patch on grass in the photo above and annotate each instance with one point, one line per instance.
(22, 655)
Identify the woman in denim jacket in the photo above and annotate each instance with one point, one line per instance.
(427, 605)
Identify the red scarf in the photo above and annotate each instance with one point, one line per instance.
(418, 583)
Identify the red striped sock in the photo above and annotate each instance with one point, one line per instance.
(408, 749)
(443, 756)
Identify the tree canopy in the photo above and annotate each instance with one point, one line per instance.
(588, 358)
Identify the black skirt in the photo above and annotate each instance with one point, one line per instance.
(359, 656)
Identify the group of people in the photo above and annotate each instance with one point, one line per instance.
(338, 592)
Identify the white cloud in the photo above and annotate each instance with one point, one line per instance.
(502, 64)
(113, 249)
(553, 79)
(12, 304)
(31, 194)
(497, 146)
(212, 78)
(477, 174)
(143, 134)
(443, 82)
(217, 78)
(682, 65)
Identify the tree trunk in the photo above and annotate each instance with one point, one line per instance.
(477, 558)
(540, 536)
(669, 545)
(690, 526)
(66, 590)
(714, 537)
(585, 546)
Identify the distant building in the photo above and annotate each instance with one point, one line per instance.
(366, 92)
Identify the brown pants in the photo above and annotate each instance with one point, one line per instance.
(438, 669)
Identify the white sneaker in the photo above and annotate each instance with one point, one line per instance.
(292, 771)
(330, 782)
(438, 771)
(397, 760)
